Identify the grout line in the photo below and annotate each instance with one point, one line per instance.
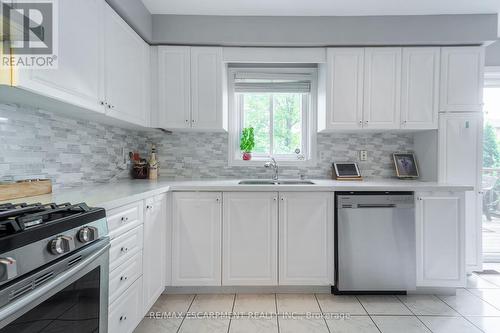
(369, 315)
(185, 315)
(420, 320)
(277, 314)
(322, 314)
(482, 299)
(231, 316)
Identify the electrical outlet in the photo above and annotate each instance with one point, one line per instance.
(363, 155)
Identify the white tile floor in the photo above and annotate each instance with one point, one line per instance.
(474, 309)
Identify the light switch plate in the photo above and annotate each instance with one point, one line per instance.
(363, 155)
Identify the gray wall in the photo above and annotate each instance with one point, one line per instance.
(136, 15)
(493, 54)
(324, 31)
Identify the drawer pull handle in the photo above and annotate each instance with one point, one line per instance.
(122, 318)
(124, 219)
(149, 207)
(123, 278)
(124, 249)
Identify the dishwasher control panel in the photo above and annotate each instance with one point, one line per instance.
(355, 200)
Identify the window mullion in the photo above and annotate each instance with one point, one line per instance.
(271, 124)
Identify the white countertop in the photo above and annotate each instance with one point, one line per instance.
(126, 191)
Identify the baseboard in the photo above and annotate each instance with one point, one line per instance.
(248, 290)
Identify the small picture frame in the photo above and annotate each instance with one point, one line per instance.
(406, 165)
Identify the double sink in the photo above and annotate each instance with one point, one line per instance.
(275, 182)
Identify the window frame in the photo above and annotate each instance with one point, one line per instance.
(309, 126)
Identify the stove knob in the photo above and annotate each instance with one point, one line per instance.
(9, 270)
(88, 234)
(61, 245)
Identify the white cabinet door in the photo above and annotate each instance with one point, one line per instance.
(420, 88)
(174, 87)
(382, 88)
(78, 80)
(250, 239)
(206, 88)
(462, 70)
(306, 238)
(440, 240)
(196, 239)
(344, 88)
(127, 71)
(460, 162)
(155, 221)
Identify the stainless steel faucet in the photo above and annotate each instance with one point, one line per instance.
(273, 164)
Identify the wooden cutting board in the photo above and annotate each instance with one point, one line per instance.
(22, 189)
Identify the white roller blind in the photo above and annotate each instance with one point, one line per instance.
(272, 82)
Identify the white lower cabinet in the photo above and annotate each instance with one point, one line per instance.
(126, 312)
(306, 238)
(440, 239)
(250, 239)
(196, 238)
(154, 258)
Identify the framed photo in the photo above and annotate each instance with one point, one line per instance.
(406, 165)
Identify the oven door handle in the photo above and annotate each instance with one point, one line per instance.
(23, 303)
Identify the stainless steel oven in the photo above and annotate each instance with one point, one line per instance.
(76, 300)
(54, 262)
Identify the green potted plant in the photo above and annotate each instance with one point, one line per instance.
(247, 142)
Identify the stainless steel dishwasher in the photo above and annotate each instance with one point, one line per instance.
(374, 243)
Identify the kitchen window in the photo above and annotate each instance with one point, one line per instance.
(279, 104)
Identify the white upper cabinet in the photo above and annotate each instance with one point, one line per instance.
(174, 87)
(191, 88)
(462, 71)
(206, 88)
(78, 80)
(344, 88)
(382, 88)
(420, 88)
(250, 239)
(306, 238)
(196, 238)
(127, 71)
(440, 240)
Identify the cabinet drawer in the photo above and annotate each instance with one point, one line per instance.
(125, 218)
(125, 246)
(125, 313)
(124, 275)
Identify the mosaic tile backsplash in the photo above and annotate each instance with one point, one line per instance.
(205, 155)
(41, 144)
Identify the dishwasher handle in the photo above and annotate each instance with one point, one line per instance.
(376, 206)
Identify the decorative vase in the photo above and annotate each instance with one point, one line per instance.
(247, 156)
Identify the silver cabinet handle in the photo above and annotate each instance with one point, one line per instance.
(124, 219)
(123, 278)
(149, 207)
(124, 249)
(275, 199)
(122, 318)
(361, 123)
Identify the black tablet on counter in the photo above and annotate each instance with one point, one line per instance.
(346, 170)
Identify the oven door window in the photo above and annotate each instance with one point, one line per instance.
(75, 309)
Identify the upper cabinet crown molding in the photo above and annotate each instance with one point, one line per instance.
(274, 55)
(462, 76)
(191, 88)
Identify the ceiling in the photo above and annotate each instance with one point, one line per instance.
(321, 7)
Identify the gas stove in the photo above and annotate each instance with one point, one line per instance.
(54, 268)
(33, 235)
